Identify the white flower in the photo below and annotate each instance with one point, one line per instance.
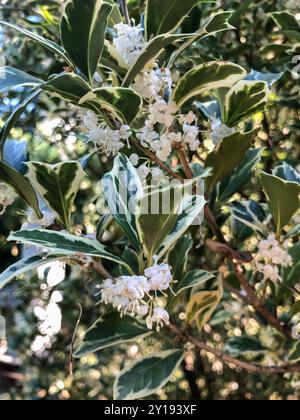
(134, 159)
(7, 196)
(269, 257)
(191, 136)
(152, 82)
(129, 42)
(161, 112)
(104, 137)
(220, 131)
(159, 277)
(160, 317)
(33, 221)
(157, 174)
(143, 171)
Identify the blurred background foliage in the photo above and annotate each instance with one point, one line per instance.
(53, 133)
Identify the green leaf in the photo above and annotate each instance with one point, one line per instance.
(218, 22)
(122, 189)
(21, 185)
(189, 209)
(151, 51)
(294, 354)
(240, 175)
(223, 161)
(157, 213)
(178, 256)
(83, 28)
(251, 214)
(288, 24)
(166, 16)
(243, 100)
(209, 76)
(49, 45)
(115, 16)
(111, 330)
(65, 244)
(124, 103)
(192, 279)
(57, 185)
(283, 199)
(296, 308)
(202, 306)
(239, 346)
(147, 376)
(11, 78)
(14, 117)
(25, 265)
(287, 172)
(68, 86)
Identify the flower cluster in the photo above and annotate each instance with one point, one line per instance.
(108, 140)
(137, 295)
(270, 257)
(129, 42)
(219, 131)
(7, 196)
(46, 309)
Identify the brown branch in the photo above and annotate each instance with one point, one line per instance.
(250, 367)
(155, 159)
(258, 304)
(184, 162)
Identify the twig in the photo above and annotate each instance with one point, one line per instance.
(250, 367)
(71, 370)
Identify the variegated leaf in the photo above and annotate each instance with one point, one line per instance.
(123, 103)
(294, 354)
(223, 161)
(83, 28)
(178, 256)
(25, 265)
(122, 188)
(57, 185)
(287, 172)
(11, 78)
(111, 330)
(243, 100)
(190, 208)
(147, 376)
(209, 76)
(67, 86)
(61, 243)
(21, 185)
(251, 214)
(283, 199)
(192, 279)
(166, 16)
(202, 306)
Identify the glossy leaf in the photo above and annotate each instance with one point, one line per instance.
(61, 243)
(243, 100)
(178, 256)
(21, 185)
(283, 199)
(83, 28)
(223, 161)
(67, 86)
(15, 154)
(201, 307)
(11, 78)
(192, 279)
(147, 376)
(111, 330)
(294, 354)
(57, 185)
(238, 346)
(209, 76)
(122, 189)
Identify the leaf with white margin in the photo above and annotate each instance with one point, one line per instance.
(122, 188)
(147, 376)
(243, 100)
(61, 243)
(208, 76)
(58, 185)
(287, 172)
(251, 214)
(190, 208)
(283, 199)
(24, 265)
(11, 78)
(83, 28)
(111, 330)
(192, 279)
